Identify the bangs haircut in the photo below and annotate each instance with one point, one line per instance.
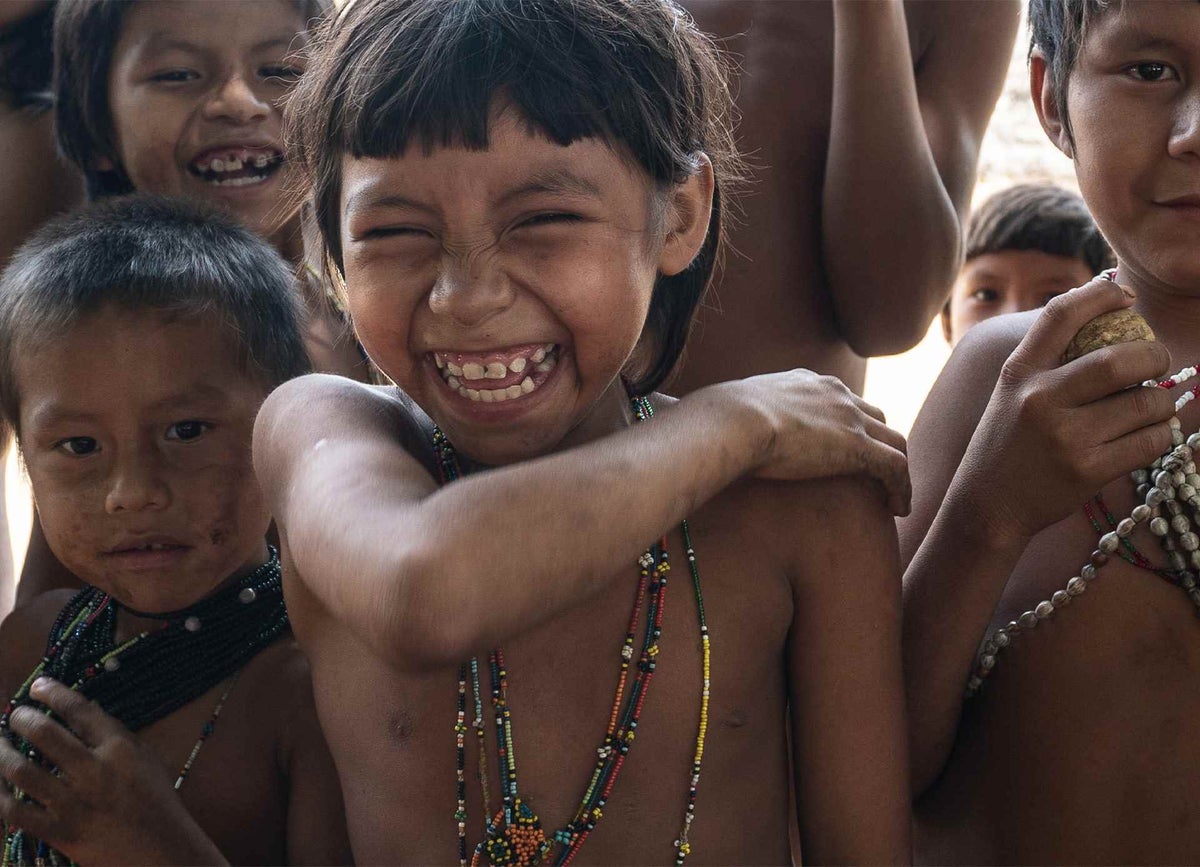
(1057, 28)
(387, 75)
(85, 36)
(150, 253)
(1038, 217)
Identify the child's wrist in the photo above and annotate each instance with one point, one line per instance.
(746, 427)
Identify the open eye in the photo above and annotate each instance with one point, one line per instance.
(175, 76)
(1152, 71)
(186, 431)
(78, 447)
(985, 295)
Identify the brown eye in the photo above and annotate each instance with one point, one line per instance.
(78, 446)
(186, 431)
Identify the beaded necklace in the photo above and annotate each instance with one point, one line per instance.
(152, 674)
(513, 834)
(1172, 485)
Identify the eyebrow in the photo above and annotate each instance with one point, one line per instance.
(553, 181)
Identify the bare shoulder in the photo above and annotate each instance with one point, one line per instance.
(23, 635)
(947, 24)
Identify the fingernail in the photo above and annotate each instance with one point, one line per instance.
(40, 684)
(1128, 292)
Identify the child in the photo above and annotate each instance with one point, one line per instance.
(139, 338)
(864, 120)
(1025, 245)
(524, 203)
(1077, 747)
(184, 98)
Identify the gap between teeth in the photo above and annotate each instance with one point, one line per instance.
(494, 395)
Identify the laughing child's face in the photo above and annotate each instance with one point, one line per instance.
(195, 91)
(1134, 103)
(135, 429)
(505, 289)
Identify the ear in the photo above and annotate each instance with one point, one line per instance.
(947, 331)
(1042, 90)
(688, 212)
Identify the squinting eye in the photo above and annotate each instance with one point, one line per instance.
(986, 296)
(186, 431)
(77, 446)
(547, 219)
(280, 72)
(1152, 71)
(175, 76)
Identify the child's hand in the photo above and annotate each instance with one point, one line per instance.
(819, 429)
(111, 802)
(1054, 434)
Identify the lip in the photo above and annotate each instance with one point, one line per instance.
(131, 552)
(481, 412)
(1189, 205)
(212, 149)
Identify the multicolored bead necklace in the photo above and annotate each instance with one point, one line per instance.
(152, 674)
(513, 834)
(1171, 485)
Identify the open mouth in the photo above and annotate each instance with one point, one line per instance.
(495, 377)
(236, 166)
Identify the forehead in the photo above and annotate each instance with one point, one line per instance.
(1145, 24)
(121, 361)
(1033, 268)
(216, 25)
(517, 161)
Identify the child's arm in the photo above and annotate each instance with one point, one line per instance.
(316, 815)
(903, 147)
(428, 576)
(1051, 436)
(847, 688)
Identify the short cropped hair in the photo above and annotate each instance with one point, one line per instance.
(637, 74)
(1038, 217)
(1057, 28)
(85, 35)
(145, 252)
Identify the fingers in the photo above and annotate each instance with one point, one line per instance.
(871, 410)
(890, 466)
(60, 747)
(28, 776)
(1135, 450)
(1111, 369)
(26, 816)
(1062, 318)
(84, 717)
(1125, 412)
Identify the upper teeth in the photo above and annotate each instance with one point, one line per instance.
(460, 378)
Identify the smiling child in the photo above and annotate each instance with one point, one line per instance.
(525, 204)
(140, 337)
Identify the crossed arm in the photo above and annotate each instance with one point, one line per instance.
(903, 147)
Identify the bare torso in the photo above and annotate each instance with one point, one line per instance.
(393, 740)
(770, 308)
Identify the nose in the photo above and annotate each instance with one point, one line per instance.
(470, 292)
(136, 485)
(1185, 136)
(236, 100)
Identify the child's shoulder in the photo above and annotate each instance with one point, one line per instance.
(23, 635)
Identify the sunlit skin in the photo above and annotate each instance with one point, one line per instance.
(135, 429)
(392, 581)
(1008, 281)
(189, 77)
(441, 255)
(1073, 752)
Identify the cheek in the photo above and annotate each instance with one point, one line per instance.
(146, 141)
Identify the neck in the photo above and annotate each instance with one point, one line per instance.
(1173, 314)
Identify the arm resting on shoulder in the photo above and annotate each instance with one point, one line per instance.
(416, 570)
(903, 148)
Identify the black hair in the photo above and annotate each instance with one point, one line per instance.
(26, 62)
(637, 74)
(1038, 217)
(145, 252)
(1057, 29)
(85, 36)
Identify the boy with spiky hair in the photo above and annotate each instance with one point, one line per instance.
(138, 338)
(1053, 538)
(1024, 245)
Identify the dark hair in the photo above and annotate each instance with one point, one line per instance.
(1057, 29)
(1038, 217)
(637, 74)
(25, 61)
(85, 34)
(144, 252)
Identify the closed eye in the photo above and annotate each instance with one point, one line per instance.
(550, 219)
(175, 76)
(392, 232)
